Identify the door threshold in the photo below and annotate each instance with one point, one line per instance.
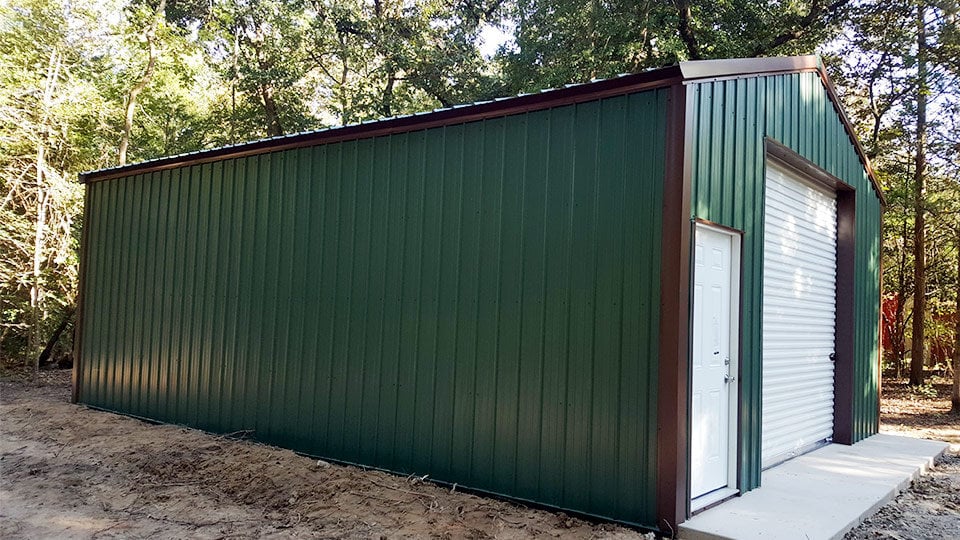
(713, 498)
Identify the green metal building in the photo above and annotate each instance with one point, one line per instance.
(624, 298)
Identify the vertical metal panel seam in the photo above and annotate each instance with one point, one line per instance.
(150, 357)
(383, 354)
(317, 260)
(520, 283)
(456, 301)
(136, 354)
(548, 133)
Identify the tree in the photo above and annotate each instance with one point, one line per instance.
(563, 41)
(154, 20)
(393, 57)
(919, 177)
(44, 95)
(894, 67)
(955, 389)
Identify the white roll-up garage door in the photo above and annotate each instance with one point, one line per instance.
(799, 315)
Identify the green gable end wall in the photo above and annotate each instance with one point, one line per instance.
(477, 302)
(730, 119)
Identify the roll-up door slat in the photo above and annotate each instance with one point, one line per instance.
(799, 315)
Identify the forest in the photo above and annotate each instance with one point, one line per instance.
(88, 84)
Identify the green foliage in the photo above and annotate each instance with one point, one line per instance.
(229, 71)
(562, 41)
(44, 98)
(876, 69)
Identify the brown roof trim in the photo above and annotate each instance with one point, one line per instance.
(658, 78)
(692, 72)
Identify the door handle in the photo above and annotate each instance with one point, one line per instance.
(833, 357)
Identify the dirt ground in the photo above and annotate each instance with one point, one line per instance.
(919, 414)
(71, 472)
(930, 509)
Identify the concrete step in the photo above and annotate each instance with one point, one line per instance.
(820, 495)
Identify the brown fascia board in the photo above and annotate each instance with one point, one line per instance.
(711, 70)
(687, 72)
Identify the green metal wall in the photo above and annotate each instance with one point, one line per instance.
(476, 302)
(730, 120)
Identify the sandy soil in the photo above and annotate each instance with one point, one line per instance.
(907, 412)
(71, 472)
(930, 509)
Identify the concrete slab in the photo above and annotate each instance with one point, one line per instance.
(820, 495)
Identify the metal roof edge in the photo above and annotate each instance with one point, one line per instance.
(458, 114)
(706, 69)
(689, 71)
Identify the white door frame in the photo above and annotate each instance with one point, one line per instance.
(733, 431)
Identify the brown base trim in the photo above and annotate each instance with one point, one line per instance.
(673, 497)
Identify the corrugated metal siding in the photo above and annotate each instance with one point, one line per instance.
(731, 118)
(476, 302)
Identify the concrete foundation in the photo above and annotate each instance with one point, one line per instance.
(820, 495)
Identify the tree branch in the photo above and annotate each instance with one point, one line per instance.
(145, 79)
(685, 30)
(817, 13)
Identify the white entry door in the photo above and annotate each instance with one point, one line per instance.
(712, 404)
(799, 315)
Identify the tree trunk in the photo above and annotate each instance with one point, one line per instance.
(900, 324)
(43, 200)
(54, 338)
(387, 107)
(345, 112)
(955, 394)
(233, 86)
(274, 128)
(919, 262)
(151, 36)
(685, 30)
(36, 288)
